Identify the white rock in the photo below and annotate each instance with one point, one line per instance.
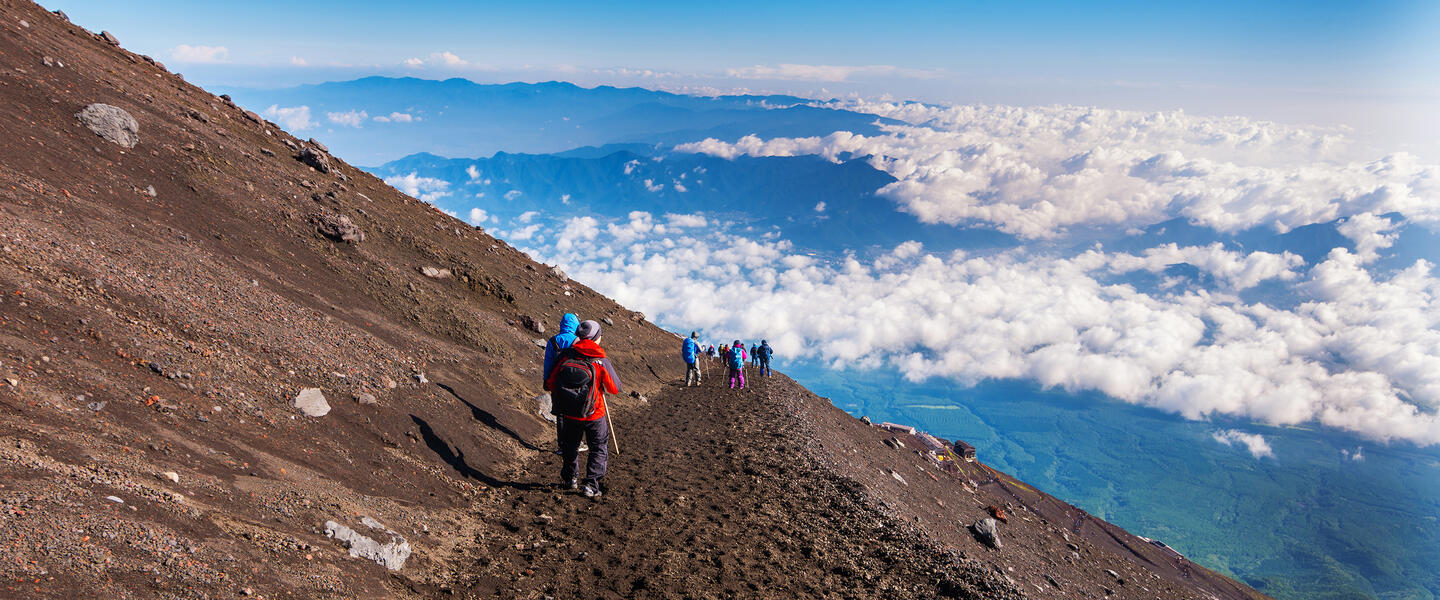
(171, 475)
(311, 401)
(391, 555)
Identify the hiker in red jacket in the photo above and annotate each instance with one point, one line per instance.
(581, 377)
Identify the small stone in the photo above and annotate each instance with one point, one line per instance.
(898, 477)
(865, 420)
(311, 401)
(150, 191)
(542, 407)
(560, 274)
(96, 406)
(267, 152)
(420, 378)
(171, 475)
(434, 272)
(988, 530)
(110, 37)
(388, 382)
(316, 143)
(366, 399)
(533, 324)
(115, 499)
(539, 342)
(24, 23)
(608, 321)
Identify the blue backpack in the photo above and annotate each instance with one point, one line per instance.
(737, 358)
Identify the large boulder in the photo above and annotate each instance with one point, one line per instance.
(111, 123)
(988, 531)
(315, 158)
(338, 227)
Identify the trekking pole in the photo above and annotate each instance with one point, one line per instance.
(610, 420)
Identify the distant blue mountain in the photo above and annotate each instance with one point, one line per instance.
(458, 117)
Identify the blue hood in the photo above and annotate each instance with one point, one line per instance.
(569, 322)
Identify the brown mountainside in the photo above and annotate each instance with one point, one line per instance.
(162, 306)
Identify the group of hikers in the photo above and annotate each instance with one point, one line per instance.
(733, 357)
(578, 376)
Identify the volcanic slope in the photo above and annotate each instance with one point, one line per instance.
(165, 304)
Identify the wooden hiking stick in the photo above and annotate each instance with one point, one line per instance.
(610, 420)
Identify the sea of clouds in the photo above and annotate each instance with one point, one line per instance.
(1358, 348)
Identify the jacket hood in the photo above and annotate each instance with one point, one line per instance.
(569, 322)
(588, 348)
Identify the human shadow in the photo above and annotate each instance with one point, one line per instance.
(455, 458)
(488, 419)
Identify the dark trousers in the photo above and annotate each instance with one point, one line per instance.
(765, 367)
(596, 434)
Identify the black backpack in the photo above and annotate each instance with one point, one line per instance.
(572, 386)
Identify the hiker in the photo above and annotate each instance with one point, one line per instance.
(710, 351)
(690, 352)
(763, 353)
(754, 359)
(736, 360)
(560, 341)
(581, 377)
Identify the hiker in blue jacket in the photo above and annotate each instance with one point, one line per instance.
(560, 341)
(763, 353)
(754, 358)
(690, 352)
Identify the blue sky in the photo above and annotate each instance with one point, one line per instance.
(1374, 66)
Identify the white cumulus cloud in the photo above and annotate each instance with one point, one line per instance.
(351, 118)
(1254, 442)
(200, 54)
(427, 189)
(295, 118)
(1039, 172)
(397, 117)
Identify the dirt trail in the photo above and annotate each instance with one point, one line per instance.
(713, 496)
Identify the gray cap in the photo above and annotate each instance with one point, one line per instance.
(588, 330)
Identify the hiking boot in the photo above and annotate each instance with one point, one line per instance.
(592, 489)
(574, 483)
(583, 447)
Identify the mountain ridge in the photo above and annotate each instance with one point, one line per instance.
(166, 305)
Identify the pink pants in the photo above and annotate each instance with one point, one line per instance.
(737, 375)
